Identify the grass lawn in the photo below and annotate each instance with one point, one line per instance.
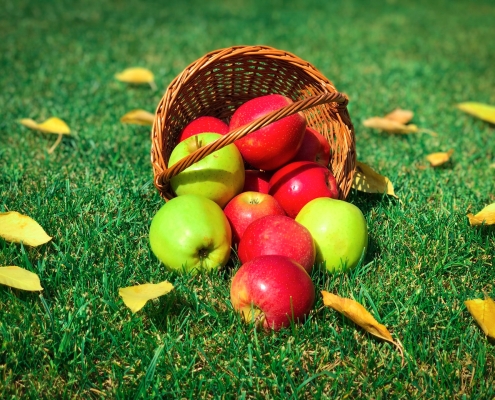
(95, 196)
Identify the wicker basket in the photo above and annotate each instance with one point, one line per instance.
(219, 82)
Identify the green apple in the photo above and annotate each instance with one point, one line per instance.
(191, 233)
(339, 231)
(219, 176)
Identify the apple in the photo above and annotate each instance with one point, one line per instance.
(191, 233)
(279, 235)
(272, 291)
(299, 182)
(256, 181)
(274, 145)
(247, 207)
(339, 230)
(202, 125)
(314, 147)
(219, 176)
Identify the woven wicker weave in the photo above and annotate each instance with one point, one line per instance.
(219, 82)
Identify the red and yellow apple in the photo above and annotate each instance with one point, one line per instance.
(339, 230)
(272, 291)
(190, 233)
(278, 235)
(299, 182)
(247, 207)
(274, 145)
(202, 125)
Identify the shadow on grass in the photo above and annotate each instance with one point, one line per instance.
(173, 306)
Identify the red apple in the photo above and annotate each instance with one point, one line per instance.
(203, 125)
(256, 181)
(272, 291)
(274, 145)
(297, 183)
(247, 207)
(278, 235)
(313, 148)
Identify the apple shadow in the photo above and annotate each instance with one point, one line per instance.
(174, 305)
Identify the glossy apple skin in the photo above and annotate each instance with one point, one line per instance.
(256, 181)
(219, 176)
(297, 183)
(202, 125)
(191, 233)
(247, 207)
(276, 288)
(270, 147)
(278, 235)
(314, 147)
(339, 230)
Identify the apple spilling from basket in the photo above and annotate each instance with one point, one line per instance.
(271, 196)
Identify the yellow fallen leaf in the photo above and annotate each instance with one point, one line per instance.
(483, 311)
(16, 227)
(19, 278)
(479, 110)
(390, 126)
(358, 314)
(439, 158)
(135, 297)
(369, 181)
(401, 116)
(136, 76)
(51, 125)
(485, 216)
(139, 117)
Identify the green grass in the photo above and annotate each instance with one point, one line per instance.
(95, 196)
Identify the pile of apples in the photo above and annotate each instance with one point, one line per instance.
(270, 196)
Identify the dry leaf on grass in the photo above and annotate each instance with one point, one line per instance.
(135, 297)
(51, 125)
(390, 126)
(137, 76)
(400, 115)
(19, 278)
(483, 311)
(485, 216)
(16, 227)
(479, 110)
(436, 159)
(139, 117)
(360, 316)
(369, 181)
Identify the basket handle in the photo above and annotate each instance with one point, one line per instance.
(163, 179)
